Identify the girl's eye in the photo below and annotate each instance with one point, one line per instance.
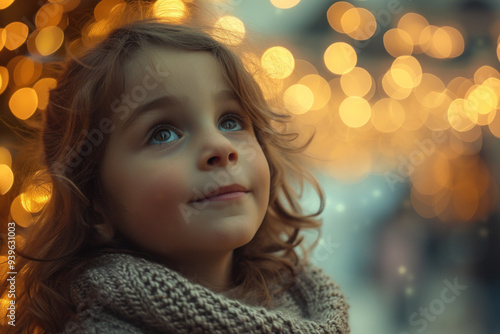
(231, 122)
(163, 135)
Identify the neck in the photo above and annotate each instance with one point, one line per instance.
(212, 270)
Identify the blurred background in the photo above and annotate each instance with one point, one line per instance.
(403, 97)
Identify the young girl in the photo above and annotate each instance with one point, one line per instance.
(172, 208)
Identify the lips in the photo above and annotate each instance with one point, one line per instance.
(223, 193)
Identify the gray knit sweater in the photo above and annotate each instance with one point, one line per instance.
(125, 294)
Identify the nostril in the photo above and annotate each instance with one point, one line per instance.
(213, 160)
(232, 157)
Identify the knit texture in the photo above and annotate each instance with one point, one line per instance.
(121, 293)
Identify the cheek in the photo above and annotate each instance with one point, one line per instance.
(259, 167)
(150, 195)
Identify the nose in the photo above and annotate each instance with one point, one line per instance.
(217, 151)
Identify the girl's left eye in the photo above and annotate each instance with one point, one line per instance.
(232, 122)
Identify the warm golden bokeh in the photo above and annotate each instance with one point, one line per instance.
(414, 24)
(387, 115)
(483, 99)
(357, 82)
(26, 71)
(6, 179)
(174, 10)
(358, 23)
(319, 88)
(5, 157)
(49, 14)
(3, 38)
(335, 14)
(17, 32)
(35, 197)
(340, 58)
(284, 4)
(229, 30)
(19, 214)
(49, 40)
(442, 42)
(298, 99)
(392, 88)
(398, 42)
(23, 103)
(4, 79)
(5, 3)
(461, 115)
(103, 10)
(406, 72)
(278, 62)
(42, 88)
(355, 111)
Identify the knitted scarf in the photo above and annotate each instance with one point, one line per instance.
(121, 293)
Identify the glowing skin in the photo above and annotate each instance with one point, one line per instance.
(192, 141)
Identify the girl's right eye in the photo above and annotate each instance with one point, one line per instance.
(162, 135)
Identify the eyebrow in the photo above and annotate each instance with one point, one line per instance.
(170, 100)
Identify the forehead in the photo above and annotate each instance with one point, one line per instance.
(177, 71)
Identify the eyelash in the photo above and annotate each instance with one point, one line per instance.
(165, 126)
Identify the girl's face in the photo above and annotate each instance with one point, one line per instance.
(183, 159)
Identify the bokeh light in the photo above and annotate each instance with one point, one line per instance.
(16, 34)
(49, 39)
(19, 214)
(3, 38)
(278, 62)
(27, 71)
(5, 3)
(340, 58)
(5, 157)
(229, 30)
(298, 99)
(6, 179)
(358, 23)
(357, 82)
(285, 4)
(23, 103)
(42, 88)
(4, 79)
(35, 197)
(49, 14)
(335, 14)
(387, 115)
(104, 9)
(355, 111)
(414, 24)
(319, 88)
(174, 10)
(398, 42)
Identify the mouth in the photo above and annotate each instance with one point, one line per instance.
(224, 193)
